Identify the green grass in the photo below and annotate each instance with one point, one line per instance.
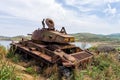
(104, 68)
(16, 58)
(30, 70)
(7, 70)
(11, 52)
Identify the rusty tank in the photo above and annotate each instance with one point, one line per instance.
(53, 47)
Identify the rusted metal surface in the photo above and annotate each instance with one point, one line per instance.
(50, 34)
(51, 46)
(50, 23)
(81, 55)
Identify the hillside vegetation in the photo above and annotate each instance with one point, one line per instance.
(89, 37)
(15, 38)
(116, 35)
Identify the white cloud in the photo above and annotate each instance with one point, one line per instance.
(110, 10)
(32, 9)
(36, 10)
(83, 2)
(112, 1)
(85, 5)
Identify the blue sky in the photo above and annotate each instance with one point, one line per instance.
(20, 17)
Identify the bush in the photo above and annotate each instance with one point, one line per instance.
(106, 49)
(118, 48)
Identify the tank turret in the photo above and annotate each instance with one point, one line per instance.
(50, 34)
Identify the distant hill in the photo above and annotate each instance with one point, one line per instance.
(93, 37)
(115, 35)
(17, 38)
(4, 38)
(89, 37)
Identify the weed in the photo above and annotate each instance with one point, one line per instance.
(2, 52)
(93, 49)
(30, 70)
(77, 74)
(16, 58)
(7, 72)
(10, 55)
(50, 70)
(104, 68)
(11, 52)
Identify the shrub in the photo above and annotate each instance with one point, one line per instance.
(106, 49)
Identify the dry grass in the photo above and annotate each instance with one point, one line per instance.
(50, 70)
(104, 67)
(11, 71)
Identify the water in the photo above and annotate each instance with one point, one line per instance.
(5, 43)
(82, 45)
(79, 44)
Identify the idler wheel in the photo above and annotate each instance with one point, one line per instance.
(50, 23)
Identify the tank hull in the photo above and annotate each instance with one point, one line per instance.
(67, 55)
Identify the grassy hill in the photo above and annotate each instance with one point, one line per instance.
(4, 38)
(15, 38)
(91, 37)
(116, 35)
